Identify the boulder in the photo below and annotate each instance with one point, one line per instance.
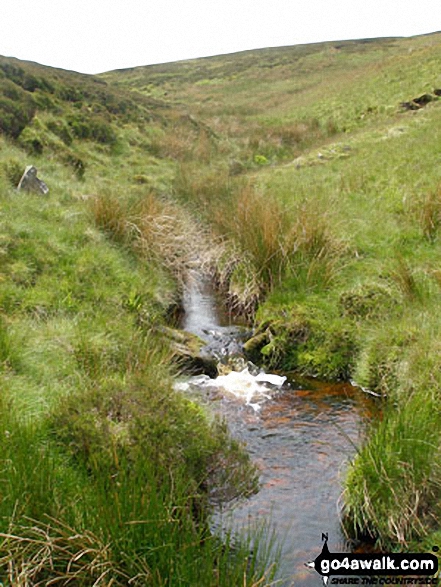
(30, 182)
(188, 352)
(423, 100)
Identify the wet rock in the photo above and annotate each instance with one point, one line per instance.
(30, 182)
(188, 352)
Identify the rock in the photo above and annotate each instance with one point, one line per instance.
(30, 182)
(188, 352)
(437, 92)
(423, 100)
(410, 105)
(419, 102)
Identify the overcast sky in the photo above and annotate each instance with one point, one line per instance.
(92, 36)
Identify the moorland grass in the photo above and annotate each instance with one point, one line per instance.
(106, 471)
(324, 194)
(343, 242)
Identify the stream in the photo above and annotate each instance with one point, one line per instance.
(301, 434)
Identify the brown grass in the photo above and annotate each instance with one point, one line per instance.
(156, 229)
(40, 555)
(429, 213)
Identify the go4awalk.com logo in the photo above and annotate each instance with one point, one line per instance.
(376, 569)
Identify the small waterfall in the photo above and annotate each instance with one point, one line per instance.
(237, 377)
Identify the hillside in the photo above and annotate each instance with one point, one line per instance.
(315, 171)
(325, 174)
(106, 471)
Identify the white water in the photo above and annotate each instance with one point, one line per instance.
(253, 390)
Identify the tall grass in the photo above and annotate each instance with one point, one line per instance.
(428, 213)
(106, 474)
(117, 527)
(272, 242)
(113, 486)
(153, 228)
(396, 477)
(311, 244)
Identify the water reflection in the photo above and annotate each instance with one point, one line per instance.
(302, 443)
(301, 439)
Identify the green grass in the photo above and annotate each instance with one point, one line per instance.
(320, 197)
(329, 191)
(106, 472)
(393, 489)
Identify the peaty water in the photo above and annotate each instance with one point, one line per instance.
(300, 434)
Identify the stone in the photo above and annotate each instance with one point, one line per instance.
(188, 352)
(418, 102)
(423, 100)
(30, 182)
(410, 105)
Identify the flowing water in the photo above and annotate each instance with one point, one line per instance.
(301, 434)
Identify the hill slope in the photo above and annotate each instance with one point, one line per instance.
(318, 169)
(105, 470)
(322, 166)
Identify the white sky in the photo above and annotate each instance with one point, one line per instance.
(92, 36)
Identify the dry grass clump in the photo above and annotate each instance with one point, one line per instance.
(424, 210)
(236, 278)
(280, 241)
(265, 241)
(108, 214)
(429, 213)
(41, 554)
(405, 278)
(154, 228)
(184, 138)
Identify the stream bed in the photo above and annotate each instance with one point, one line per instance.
(300, 433)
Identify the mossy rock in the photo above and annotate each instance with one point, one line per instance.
(254, 345)
(187, 350)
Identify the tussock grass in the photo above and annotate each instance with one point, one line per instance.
(405, 278)
(109, 215)
(428, 211)
(153, 228)
(337, 250)
(53, 553)
(396, 476)
(271, 241)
